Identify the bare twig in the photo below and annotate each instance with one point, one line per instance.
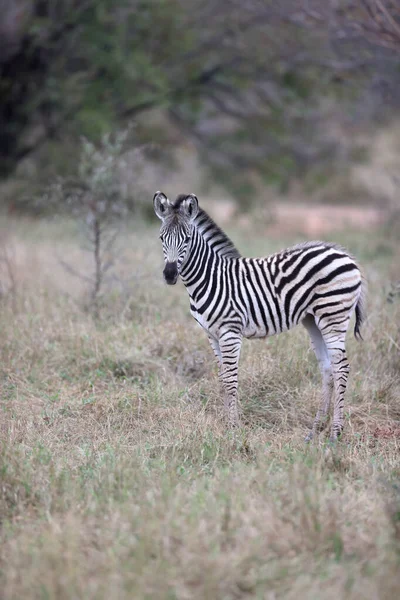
(96, 202)
(75, 272)
(8, 285)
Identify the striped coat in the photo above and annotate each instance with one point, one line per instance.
(317, 284)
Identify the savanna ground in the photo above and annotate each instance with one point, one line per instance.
(118, 477)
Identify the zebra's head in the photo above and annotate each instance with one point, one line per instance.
(176, 230)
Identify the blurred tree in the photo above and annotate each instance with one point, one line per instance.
(251, 83)
(93, 197)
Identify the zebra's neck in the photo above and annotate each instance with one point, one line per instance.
(218, 242)
(208, 247)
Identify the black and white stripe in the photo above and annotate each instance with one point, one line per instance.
(316, 283)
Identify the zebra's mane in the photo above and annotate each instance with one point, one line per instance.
(211, 232)
(312, 244)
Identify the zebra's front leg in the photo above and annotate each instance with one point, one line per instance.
(230, 344)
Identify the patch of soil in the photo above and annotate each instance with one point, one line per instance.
(288, 218)
(316, 220)
(387, 432)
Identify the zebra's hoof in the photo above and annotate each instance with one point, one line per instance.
(335, 438)
(309, 437)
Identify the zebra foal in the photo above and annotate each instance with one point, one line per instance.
(315, 283)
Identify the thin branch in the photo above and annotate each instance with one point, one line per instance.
(73, 271)
(389, 17)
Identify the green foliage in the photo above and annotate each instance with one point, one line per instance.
(87, 65)
(95, 199)
(255, 87)
(95, 188)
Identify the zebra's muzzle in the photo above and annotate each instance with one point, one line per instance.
(171, 273)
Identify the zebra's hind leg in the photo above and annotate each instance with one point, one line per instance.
(230, 343)
(336, 344)
(217, 352)
(324, 362)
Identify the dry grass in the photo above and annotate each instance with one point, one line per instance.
(118, 478)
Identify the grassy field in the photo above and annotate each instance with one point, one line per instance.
(118, 477)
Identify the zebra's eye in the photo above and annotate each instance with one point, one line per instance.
(187, 238)
(162, 238)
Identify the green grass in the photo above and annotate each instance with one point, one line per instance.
(118, 477)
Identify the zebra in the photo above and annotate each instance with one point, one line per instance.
(232, 297)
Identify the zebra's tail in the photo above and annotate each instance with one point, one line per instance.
(360, 310)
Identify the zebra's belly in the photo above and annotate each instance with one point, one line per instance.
(215, 325)
(252, 330)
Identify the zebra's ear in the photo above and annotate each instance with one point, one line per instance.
(161, 205)
(190, 206)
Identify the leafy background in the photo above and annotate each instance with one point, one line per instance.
(262, 93)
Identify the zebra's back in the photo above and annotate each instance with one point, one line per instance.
(315, 278)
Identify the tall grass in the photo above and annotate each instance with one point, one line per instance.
(118, 477)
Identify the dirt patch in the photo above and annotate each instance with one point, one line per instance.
(288, 218)
(387, 432)
(319, 220)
